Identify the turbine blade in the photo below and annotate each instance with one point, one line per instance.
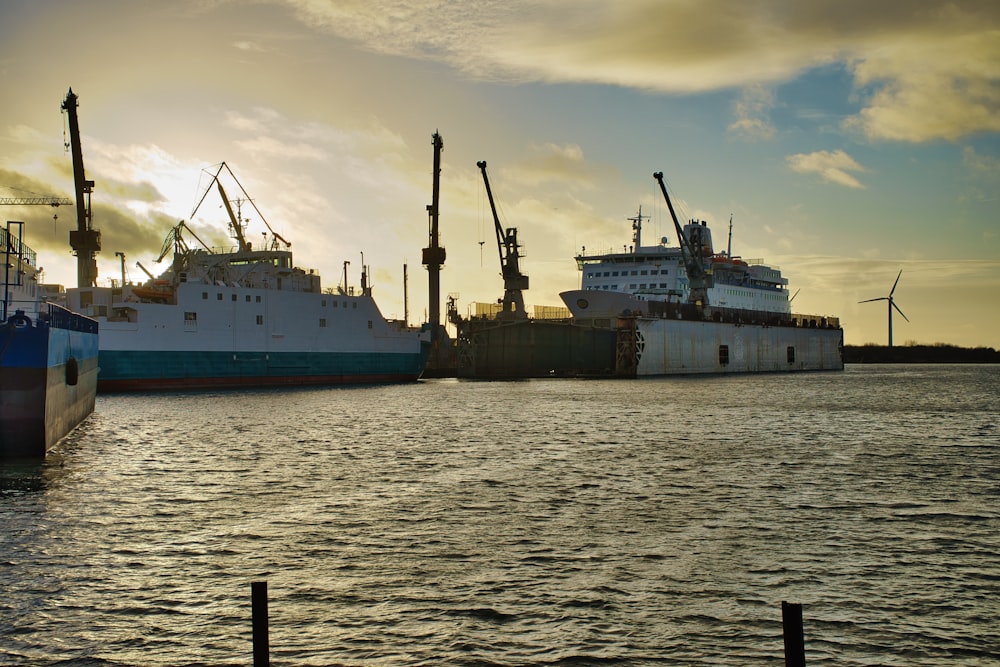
(893, 304)
(896, 283)
(881, 298)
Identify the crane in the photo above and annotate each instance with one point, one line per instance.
(145, 270)
(85, 240)
(54, 202)
(176, 242)
(434, 254)
(234, 220)
(693, 261)
(37, 200)
(514, 282)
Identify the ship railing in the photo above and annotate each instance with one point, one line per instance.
(16, 248)
(63, 318)
(815, 321)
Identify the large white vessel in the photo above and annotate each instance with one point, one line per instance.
(243, 317)
(698, 310)
(234, 317)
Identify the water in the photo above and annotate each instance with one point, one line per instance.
(553, 522)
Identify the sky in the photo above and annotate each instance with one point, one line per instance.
(847, 141)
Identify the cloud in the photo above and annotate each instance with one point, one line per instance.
(551, 163)
(985, 165)
(924, 69)
(983, 177)
(832, 166)
(246, 45)
(752, 122)
(929, 87)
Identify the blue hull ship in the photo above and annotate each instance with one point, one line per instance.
(48, 361)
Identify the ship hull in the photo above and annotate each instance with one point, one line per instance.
(128, 371)
(534, 349)
(48, 383)
(217, 337)
(680, 347)
(635, 347)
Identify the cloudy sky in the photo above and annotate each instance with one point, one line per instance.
(847, 140)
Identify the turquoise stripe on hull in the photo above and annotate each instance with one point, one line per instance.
(143, 371)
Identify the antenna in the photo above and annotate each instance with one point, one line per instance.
(891, 305)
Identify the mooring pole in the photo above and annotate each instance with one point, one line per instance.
(791, 623)
(258, 600)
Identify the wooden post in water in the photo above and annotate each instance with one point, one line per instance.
(791, 623)
(258, 601)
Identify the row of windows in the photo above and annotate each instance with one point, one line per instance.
(218, 297)
(631, 286)
(191, 319)
(611, 274)
(751, 294)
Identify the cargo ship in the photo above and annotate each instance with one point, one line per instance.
(232, 317)
(244, 317)
(48, 359)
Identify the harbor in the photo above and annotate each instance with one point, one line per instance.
(628, 522)
(499, 334)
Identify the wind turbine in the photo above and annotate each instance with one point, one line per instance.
(892, 304)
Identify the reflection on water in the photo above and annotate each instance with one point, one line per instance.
(541, 522)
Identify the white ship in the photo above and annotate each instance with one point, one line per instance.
(698, 310)
(243, 317)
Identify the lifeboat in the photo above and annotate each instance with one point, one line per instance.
(158, 290)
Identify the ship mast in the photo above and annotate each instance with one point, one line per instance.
(85, 240)
(637, 228)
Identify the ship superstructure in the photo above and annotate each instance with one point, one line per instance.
(638, 279)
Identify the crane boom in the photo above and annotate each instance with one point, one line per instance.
(697, 279)
(236, 223)
(54, 202)
(514, 282)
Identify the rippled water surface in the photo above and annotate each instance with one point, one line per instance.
(558, 522)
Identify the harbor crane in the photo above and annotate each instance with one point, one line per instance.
(434, 254)
(514, 282)
(698, 281)
(85, 240)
